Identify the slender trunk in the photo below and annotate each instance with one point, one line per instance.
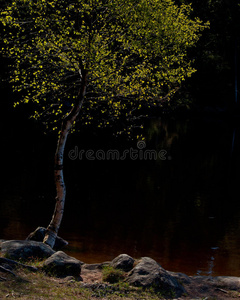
(67, 123)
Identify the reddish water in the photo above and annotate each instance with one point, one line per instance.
(183, 211)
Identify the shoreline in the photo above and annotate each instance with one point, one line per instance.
(143, 275)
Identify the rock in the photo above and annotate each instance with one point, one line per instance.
(1, 241)
(229, 282)
(72, 279)
(25, 250)
(180, 277)
(97, 266)
(38, 235)
(148, 273)
(62, 265)
(123, 262)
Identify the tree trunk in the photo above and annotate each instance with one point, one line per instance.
(67, 123)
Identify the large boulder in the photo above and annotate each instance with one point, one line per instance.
(229, 282)
(39, 234)
(25, 250)
(62, 265)
(148, 273)
(123, 262)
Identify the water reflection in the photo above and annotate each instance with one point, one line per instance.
(183, 211)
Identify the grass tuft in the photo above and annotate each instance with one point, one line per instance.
(112, 275)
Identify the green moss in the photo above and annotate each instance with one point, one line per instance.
(112, 275)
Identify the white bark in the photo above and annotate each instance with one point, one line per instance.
(67, 123)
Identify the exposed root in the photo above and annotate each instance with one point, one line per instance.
(5, 270)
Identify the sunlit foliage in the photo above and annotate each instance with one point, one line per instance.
(135, 52)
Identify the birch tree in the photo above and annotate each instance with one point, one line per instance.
(82, 56)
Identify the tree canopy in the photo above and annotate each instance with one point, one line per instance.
(135, 52)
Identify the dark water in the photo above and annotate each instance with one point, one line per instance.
(182, 209)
